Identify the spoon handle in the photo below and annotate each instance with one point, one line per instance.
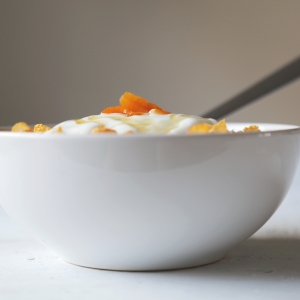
(269, 84)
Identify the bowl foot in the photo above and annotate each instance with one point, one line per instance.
(143, 269)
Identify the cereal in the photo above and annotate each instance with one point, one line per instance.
(200, 128)
(21, 127)
(251, 128)
(135, 115)
(58, 130)
(41, 128)
(219, 127)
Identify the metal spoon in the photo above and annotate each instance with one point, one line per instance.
(274, 81)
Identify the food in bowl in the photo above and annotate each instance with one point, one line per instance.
(134, 115)
(143, 202)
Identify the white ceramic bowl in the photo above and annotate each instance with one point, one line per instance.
(146, 202)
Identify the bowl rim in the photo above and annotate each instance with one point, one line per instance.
(287, 129)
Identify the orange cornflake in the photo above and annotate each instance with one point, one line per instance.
(131, 104)
(200, 128)
(251, 128)
(41, 128)
(21, 127)
(219, 127)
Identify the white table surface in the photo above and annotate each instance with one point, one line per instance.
(266, 266)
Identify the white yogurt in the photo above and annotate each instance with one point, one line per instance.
(151, 123)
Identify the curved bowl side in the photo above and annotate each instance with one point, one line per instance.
(145, 204)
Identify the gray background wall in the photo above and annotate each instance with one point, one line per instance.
(69, 59)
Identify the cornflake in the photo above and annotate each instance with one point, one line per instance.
(41, 128)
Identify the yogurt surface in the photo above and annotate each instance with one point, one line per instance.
(151, 123)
